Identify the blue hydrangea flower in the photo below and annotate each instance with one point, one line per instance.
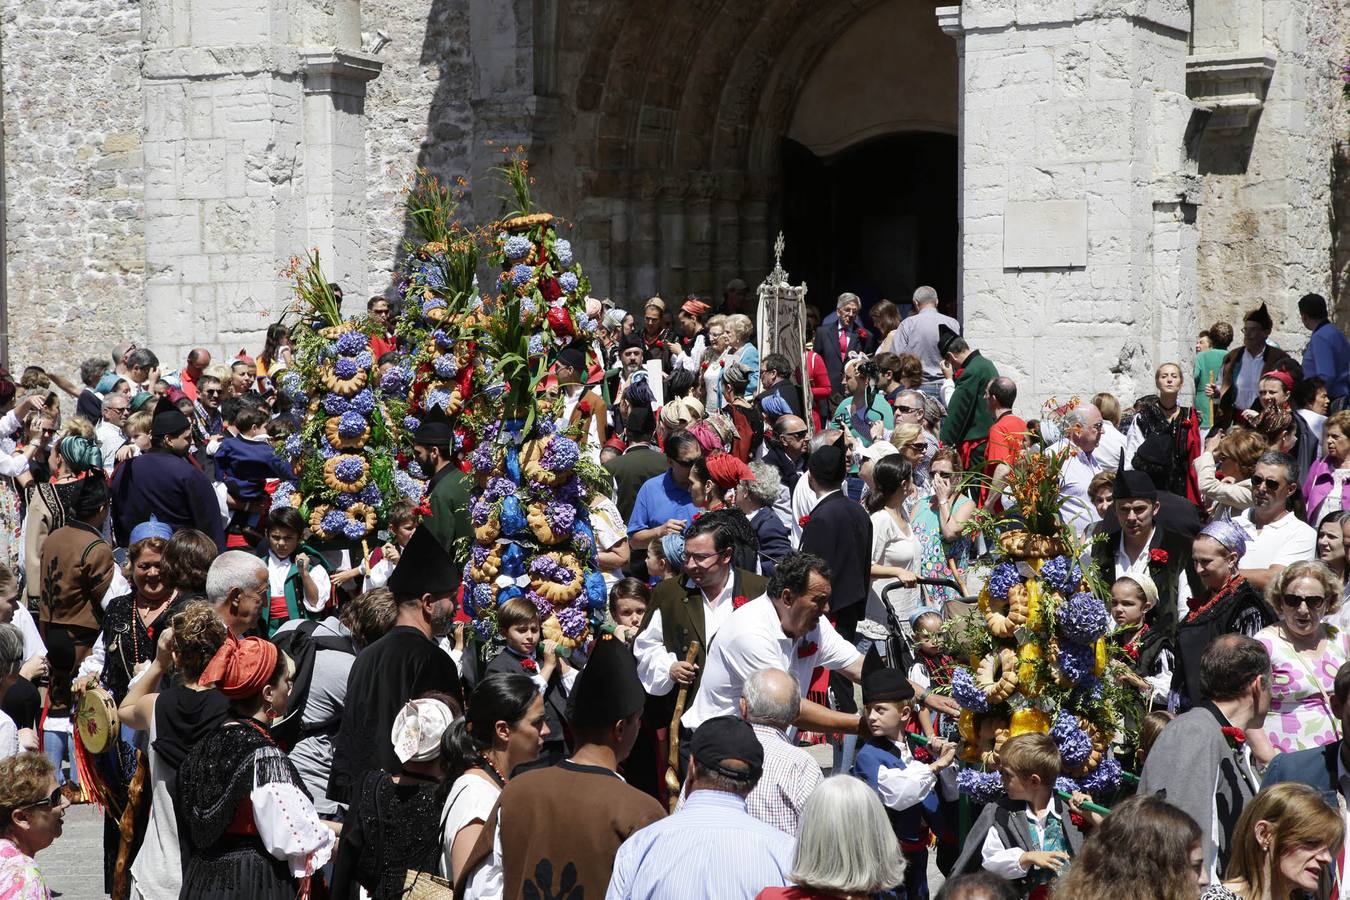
(1082, 618)
(333, 521)
(364, 360)
(395, 381)
(412, 423)
(568, 282)
(442, 340)
(499, 487)
(521, 275)
(560, 455)
(290, 383)
(335, 404)
(350, 343)
(349, 470)
(966, 693)
(1076, 661)
(536, 344)
(353, 530)
(295, 446)
(370, 495)
(1104, 779)
(345, 501)
(528, 307)
(415, 470)
(589, 325)
(433, 303)
(445, 366)
(572, 619)
(517, 246)
(364, 401)
(1001, 580)
(1066, 784)
(1074, 744)
(345, 367)
(980, 787)
(281, 498)
(1062, 574)
(327, 451)
(563, 250)
(482, 457)
(408, 487)
(351, 425)
(438, 399)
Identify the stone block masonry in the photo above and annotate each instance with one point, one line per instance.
(75, 233)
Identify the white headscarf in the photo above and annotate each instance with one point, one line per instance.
(418, 729)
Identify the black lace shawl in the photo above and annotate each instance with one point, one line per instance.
(390, 829)
(221, 772)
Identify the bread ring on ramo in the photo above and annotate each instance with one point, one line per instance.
(489, 531)
(1000, 625)
(343, 387)
(539, 525)
(996, 675)
(330, 430)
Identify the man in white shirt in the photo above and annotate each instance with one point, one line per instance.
(571, 374)
(1275, 536)
(1082, 432)
(111, 437)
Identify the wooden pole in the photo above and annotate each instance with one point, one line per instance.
(673, 760)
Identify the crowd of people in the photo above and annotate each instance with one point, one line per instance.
(787, 536)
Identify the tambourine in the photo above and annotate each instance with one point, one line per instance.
(96, 722)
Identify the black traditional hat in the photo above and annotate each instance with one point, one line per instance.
(572, 357)
(887, 685)
(640, 419)
(168, 420)
(631, 341)
(728, 739)
(424, 568)
(828, 464)
(434, 430)
(608, 688)
(1132, 484)
(1261, 316)
(945, 337)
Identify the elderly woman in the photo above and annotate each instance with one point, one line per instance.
(755, 496)
(711, 360)
(1230, 605)
(1326, 489)
(1166, 416)
(32, 809)
(834, 862)
(1304, 656)
(1223, 472)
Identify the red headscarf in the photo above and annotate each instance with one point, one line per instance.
(727, 471)
(241, 669)
(1283, 378)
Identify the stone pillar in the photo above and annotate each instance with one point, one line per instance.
(1076, 201)
(253, 153)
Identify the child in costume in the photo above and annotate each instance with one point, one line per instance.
(628, 601)
(1029, 836)
(402, 524)
(906, 786)
(243, 466)
(932, 669)
(665, 558)
(1150, 653)
(298, 574)
(519, 624)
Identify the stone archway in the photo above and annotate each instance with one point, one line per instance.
(667, 145)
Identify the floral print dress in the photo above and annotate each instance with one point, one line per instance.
(20, 877)
(1300, 716)
(933, 561)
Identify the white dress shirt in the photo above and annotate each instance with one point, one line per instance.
(1079, 469)
(1281, 543)
(1005, 862)
(1139, 566)
(571, 396)
(752, 640)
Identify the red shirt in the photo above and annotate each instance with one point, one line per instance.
(189, 383)
(1006, 437)
(380, 345)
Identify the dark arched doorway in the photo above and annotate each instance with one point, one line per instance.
(878, 219)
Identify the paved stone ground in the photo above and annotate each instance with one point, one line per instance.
(74, 864)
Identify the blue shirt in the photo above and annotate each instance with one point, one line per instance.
(710, 848)
(1328, 357)
(658, 500)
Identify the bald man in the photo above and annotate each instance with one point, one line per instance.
(770, 702)
(198, 359)
(785, 448)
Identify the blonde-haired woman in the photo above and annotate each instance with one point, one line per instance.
(738, 348)
(833, 863)
(1224, 471)
(1164, 415)
(1304, 656)
(1284, 840)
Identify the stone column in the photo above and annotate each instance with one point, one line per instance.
(253, 153)
(1076, 208)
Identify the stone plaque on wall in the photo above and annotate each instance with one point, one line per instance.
(1044, 234)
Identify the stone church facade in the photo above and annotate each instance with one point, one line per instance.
(1085, 181)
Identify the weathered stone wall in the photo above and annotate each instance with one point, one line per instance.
(417, 114)
(1268, 231)
(75, 239)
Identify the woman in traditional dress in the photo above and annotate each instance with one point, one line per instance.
(1164, 415)
(175, 720)
(1230, 605)
(391, 828)
(253, 829)
(73, 455)
(746, 418)
(1304, 656)
(711, 478)
(503, 728)
(32, 808)
(14, 463)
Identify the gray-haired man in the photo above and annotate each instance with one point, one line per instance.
(770, 702)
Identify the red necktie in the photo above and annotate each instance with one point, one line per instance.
(843, 342)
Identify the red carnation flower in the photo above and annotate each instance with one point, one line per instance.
(529, 665)
(739, 600)
(424, 508)
(1236, 736)
(806, 649)
(862, 334)
(1158, 556)
(803, 520)
(584, 407)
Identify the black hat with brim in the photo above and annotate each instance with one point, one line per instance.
(887, 686)
(608, 689)
(945, 337)
(434, 430)
(424, 568)
(168, 420)
(728, 739)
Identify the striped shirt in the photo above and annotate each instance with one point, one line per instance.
(710, 848)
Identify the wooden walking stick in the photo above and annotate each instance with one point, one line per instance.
(673, 768)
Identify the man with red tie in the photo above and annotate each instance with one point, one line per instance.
(838, 336)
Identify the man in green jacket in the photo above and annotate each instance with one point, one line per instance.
(968, 417)
(447, 489)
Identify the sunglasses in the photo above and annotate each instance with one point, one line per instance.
(1294, 601)
(51, 802)
(686, 463)
(795, 434)
(908, 409)
(1271, 484)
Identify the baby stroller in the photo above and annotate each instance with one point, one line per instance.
(899, 645)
